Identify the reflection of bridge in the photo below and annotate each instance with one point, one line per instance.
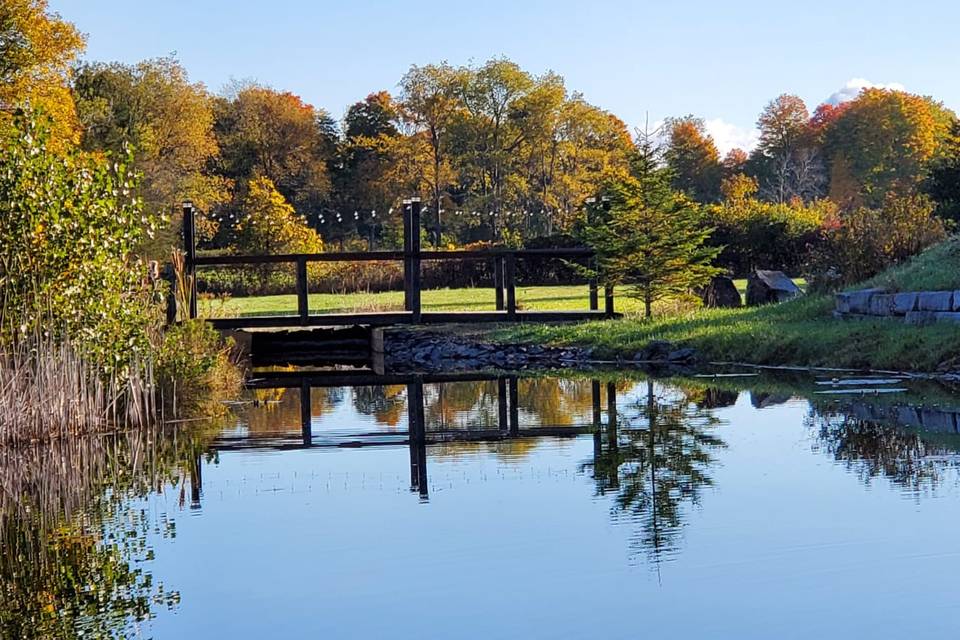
(418, 436)
(505, 265)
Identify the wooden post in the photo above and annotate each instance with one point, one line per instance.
(303, 302)
(511, 278)
(594, 296)
(613, 443)
(406, 255)
(190, 253)
(597, 423)
(171, 306)
(196, 481)
(415, 259)
(608, 301)
(306, 417)
(498, 281)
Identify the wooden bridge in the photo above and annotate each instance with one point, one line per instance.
(505, 263)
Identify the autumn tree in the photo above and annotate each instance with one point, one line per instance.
(489, 133)
(787, 161)
(883, 142)
(866, 241)
(650, 238)
(372, 172)
(428, 103)
(274, 134)
(165, 119)
(693, 158)
(589, 148)
(754, 233)
(270, 225)
(735, 162)
(37, 51)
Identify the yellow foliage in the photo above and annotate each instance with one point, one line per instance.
(38, 53)
(270, 225)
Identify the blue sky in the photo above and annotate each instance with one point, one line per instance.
(720, 60)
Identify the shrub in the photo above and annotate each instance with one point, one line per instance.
(756, 234)
(194, 364)
(69, 223)
(863, 242)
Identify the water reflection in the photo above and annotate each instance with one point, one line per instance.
(73, 533)
(657, 459)
(451, 413)
(82, 523)
(916, 461)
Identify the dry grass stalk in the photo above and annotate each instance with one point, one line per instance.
(48, 391)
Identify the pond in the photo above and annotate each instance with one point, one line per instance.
(587, 505)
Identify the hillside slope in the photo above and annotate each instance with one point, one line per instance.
(802, 332)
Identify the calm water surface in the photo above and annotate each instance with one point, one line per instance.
(696, 510)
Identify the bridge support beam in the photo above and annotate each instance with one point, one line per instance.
(303, 304)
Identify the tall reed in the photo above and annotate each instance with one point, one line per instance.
(48, 390)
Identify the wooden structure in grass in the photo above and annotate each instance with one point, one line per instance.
(505, 264)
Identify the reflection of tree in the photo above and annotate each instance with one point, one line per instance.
(658, 462)
(72, 540)
(555, 402)
(872, 450)
(461, 405)
(386, 403)
(275, 410)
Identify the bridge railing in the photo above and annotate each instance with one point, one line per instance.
(504, 268)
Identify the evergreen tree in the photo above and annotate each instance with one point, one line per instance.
(648, 236)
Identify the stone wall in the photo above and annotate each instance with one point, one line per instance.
(913, 307)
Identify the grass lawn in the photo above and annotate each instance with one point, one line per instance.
(559, 298)
(801, 332)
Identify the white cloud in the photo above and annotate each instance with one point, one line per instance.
(729, 136)
(854, 86)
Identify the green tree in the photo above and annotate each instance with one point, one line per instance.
(657, 459)
(651, 238)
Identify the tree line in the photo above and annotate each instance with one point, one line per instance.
(496, 153)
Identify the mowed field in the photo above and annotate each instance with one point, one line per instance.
(540, 298)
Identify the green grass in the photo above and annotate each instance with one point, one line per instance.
(800, 332)
(546, 298)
